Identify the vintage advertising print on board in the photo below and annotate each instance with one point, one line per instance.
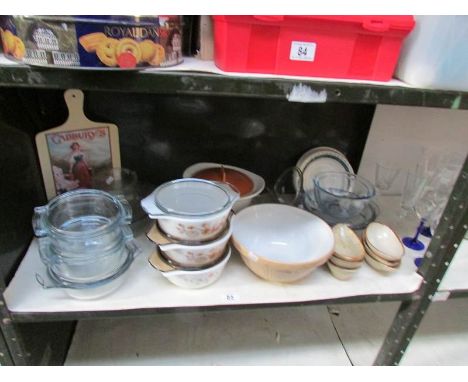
(73, 154)
(76, 156)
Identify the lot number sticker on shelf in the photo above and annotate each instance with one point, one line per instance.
(231, 298)
(302, 51)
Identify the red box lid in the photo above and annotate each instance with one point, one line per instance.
(371, 23)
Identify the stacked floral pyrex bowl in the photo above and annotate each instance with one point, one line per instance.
(191, 230)
(85, 242)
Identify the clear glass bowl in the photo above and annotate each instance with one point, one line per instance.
(91, 289)
(83, 234)
(342, 195)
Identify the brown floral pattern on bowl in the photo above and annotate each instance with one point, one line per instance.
(195, 258)
(200, 232)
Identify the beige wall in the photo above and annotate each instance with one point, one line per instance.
(399, 134)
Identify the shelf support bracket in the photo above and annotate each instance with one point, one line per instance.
(450, 232)
(11, 345)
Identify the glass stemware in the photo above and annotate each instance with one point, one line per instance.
(431, 200)
(413, 242)
(411, 188)
(424, 206)
(385, 175)
(426, 231)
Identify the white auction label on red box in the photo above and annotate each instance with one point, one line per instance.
(302, 51)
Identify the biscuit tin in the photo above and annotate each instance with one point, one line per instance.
(119, 42)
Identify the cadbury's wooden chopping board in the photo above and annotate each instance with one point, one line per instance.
(72, 154)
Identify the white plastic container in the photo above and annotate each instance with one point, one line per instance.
(435, 54)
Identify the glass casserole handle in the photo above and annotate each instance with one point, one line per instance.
(149, 206)
(126, 209)
(133, 248)
(44, 252)
(231, 190)
(38, 223)
(40, 280)
(130, 243)
(127, 233)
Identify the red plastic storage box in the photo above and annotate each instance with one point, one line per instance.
(358, 47)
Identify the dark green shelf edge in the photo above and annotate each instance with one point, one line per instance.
(195, 83)
(125, 313)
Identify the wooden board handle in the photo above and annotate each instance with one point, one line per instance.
(74, 99)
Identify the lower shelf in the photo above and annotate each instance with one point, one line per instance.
(146, 290)
(342, 335)
(295, 336)
(441, 339)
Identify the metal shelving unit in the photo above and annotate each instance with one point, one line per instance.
(206, 81)
(28, 302)
(447, 237)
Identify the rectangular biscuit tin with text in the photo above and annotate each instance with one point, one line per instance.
(119, 42)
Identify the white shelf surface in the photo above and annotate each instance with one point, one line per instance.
(146, 288)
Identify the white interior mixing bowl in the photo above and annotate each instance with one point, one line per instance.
(280, 242)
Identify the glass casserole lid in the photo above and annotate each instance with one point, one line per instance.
(83, 212)
(189, 197)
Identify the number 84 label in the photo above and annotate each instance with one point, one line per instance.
(302, 51)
